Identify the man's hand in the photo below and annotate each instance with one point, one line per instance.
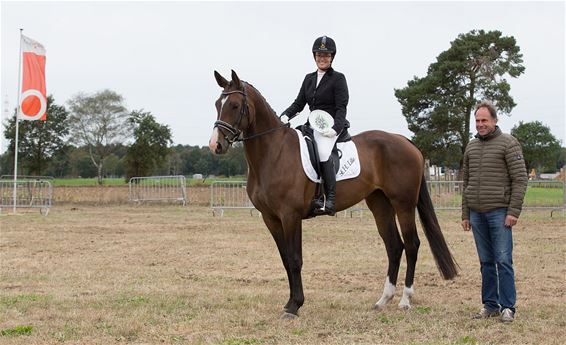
(510, 221)
(330, 133)
(466, 225)
(284, 118)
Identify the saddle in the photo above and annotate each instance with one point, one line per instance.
(308, 134)
(335, 155)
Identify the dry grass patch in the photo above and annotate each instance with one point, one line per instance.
(115, 195)
(177, 275)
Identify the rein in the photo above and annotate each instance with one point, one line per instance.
(265, 132)
(236, 133)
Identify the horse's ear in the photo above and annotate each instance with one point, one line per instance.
(222, 82)
(236, 80)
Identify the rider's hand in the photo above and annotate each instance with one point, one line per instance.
(330, 133)
(284, 118)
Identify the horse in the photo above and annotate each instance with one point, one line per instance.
(391, 181)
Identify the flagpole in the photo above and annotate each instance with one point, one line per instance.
(15, 194)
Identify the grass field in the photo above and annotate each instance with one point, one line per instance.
(86, 182)
(534, 197)
(175, 275)
(537, 194)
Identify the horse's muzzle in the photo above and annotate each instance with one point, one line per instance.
(219, 149)
(215, 144)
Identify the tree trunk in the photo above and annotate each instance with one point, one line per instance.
(100, 173)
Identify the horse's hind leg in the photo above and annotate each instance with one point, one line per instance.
(384, 215)
(406, 217)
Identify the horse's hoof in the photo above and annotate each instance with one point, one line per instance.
(378, 307)
(404, 306)
(288, 316)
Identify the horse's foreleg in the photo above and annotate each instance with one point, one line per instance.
(289, 244)
(412, 243)
(292, 229)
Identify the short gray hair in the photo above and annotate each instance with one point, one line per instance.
(489, 105)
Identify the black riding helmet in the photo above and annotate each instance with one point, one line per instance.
(324, 44)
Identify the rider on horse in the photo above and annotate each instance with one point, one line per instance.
(325, 89)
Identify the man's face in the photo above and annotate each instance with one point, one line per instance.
(485, 124)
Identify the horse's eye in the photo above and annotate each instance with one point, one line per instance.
(235, 106)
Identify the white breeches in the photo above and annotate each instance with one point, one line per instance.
(324, 145)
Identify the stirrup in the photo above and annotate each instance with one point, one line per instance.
(322, 211)
(319, 211)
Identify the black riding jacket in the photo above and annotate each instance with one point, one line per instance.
(331, 95)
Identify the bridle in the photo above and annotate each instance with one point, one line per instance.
(225, 126)
(244, 111)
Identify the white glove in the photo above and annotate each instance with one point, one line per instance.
(284, 118)
(330, 133)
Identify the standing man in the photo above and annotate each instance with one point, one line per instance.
(495, 182)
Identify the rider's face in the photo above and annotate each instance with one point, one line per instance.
(323, 60)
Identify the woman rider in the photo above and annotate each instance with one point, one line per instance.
(325, 89)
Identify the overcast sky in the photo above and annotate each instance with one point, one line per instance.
(160, 56)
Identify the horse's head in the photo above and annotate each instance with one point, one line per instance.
(233, 113)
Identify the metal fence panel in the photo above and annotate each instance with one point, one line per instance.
(229, 195)
(158, 188)
(541, 194)
(445, 195)
(30, 193)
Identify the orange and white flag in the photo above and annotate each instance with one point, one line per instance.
(33, 100)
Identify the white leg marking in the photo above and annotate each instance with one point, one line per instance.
(405, 302)
(388, 293)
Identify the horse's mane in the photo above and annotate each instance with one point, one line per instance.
(262, 99)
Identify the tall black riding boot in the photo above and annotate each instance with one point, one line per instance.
(329, 177)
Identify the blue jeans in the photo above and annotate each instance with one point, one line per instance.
(494, 242)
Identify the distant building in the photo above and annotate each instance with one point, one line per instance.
(197, 176)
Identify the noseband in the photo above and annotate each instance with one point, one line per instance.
(244, 111)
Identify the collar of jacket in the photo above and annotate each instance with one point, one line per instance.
(329, 71)
(491, 135)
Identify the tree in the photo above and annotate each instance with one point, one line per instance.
(438, 106)
(233, 162)
(99, 122)
(151, 145)
(38, 141)
(562, 158)
(60, 166)
(202, 166)
(541, 149)
(81, 164)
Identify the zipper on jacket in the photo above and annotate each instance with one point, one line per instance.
(479, 171)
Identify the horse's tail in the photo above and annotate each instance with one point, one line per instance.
(444, 259)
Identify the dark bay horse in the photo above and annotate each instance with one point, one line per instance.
(391, 182)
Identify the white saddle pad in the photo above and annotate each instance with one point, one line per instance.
(349, 163)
